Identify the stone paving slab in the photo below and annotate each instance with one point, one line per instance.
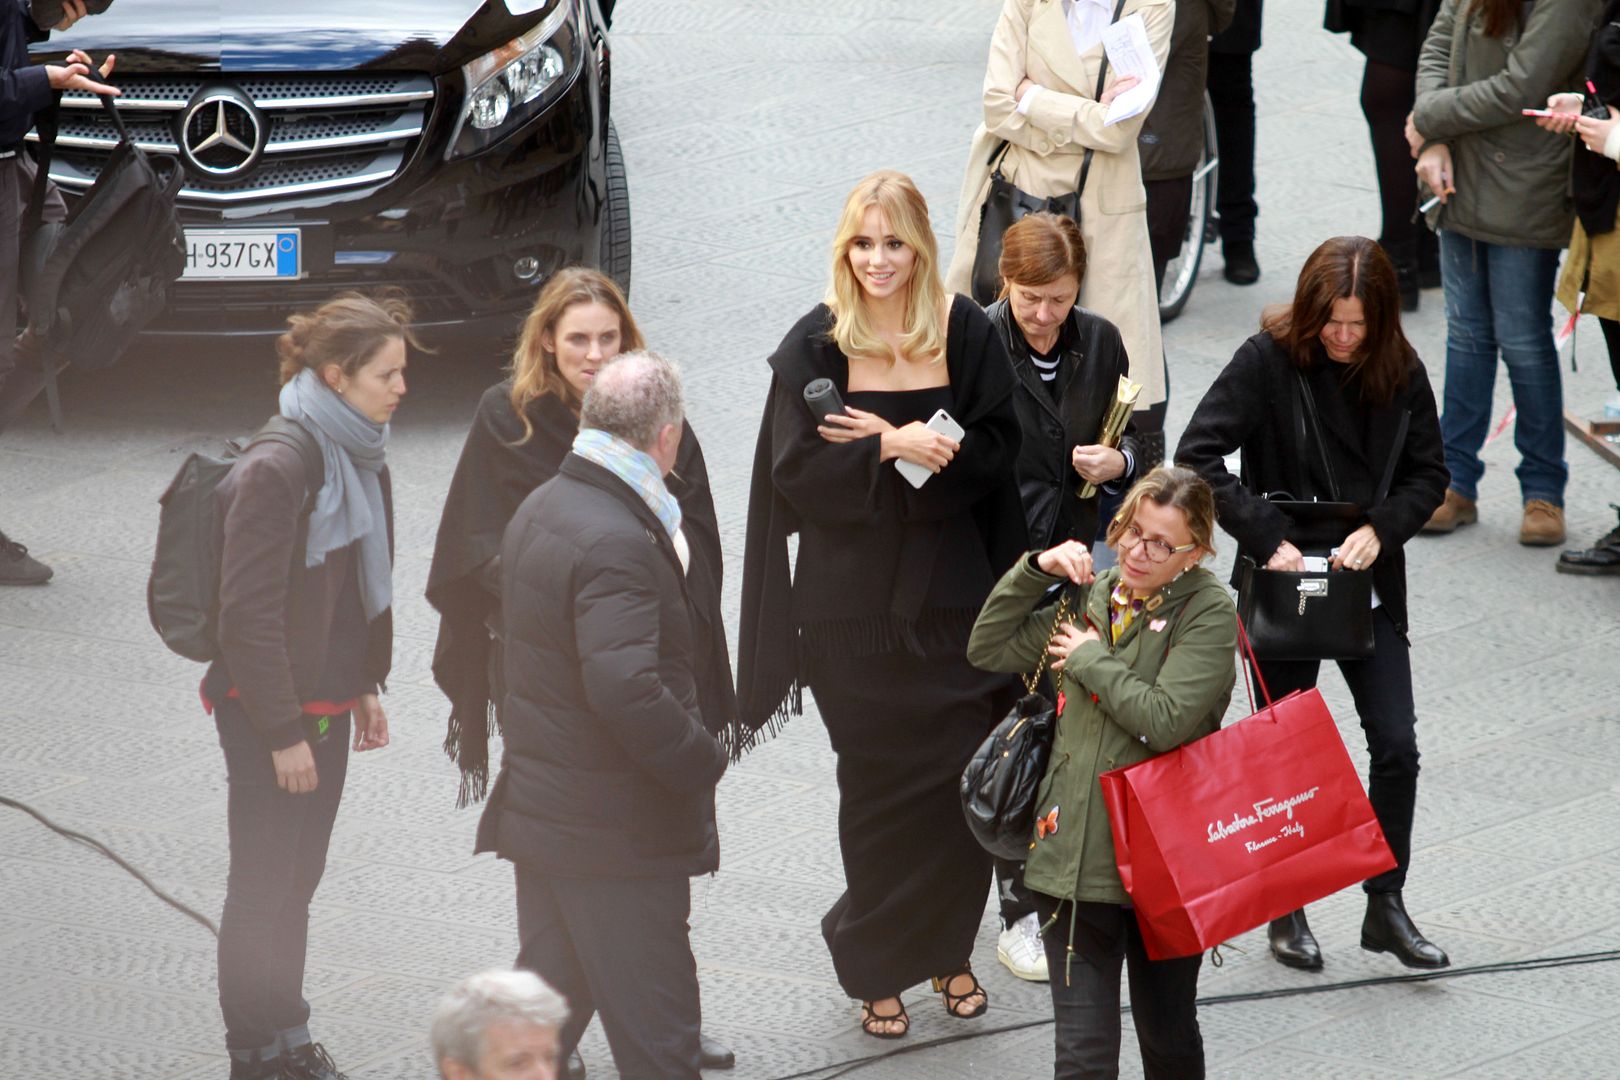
(744, 123)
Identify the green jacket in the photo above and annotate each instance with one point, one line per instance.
(1166, 683)
(1512, 178)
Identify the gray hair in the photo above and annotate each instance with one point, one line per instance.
(633, 396)
(481, 1001)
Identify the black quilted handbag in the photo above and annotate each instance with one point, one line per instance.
(999, 783)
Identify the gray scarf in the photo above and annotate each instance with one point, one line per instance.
(349, 506)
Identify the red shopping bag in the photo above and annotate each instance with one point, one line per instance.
(1243, 826)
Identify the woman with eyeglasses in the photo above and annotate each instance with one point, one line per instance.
(1340, 343)
(1144, 665)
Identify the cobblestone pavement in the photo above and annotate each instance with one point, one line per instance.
(744, 124)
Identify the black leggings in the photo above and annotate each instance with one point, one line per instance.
(1387, 94)
(1611, 338)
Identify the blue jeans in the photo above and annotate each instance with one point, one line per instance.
(1499, 298)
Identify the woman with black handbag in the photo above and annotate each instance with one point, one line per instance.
(1336, 356)
(1044, 145)
(1146, 666)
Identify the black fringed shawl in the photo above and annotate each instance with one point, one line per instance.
(492, 478)
(885, 533)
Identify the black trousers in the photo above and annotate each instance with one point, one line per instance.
(19, 383)
(619, 947)
(1085, 996)
(278, 854)
(1231, 93)
(1382, 689)
(1014, 896)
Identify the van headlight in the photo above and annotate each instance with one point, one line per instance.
(508, 86)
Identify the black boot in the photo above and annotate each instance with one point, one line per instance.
(311, 1062)
(574, 1068)
(1241, 266)
(1293, 944)
(1388, 928)
(714, 1055)
(261, 1070)
(1602, 557)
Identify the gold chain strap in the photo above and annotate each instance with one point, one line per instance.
(1062, 616)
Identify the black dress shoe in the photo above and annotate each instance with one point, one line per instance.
(1241, 267)
(574, 1067)
(1388, 928)
(1602, 557)
(1292, 942)
(714, 1055)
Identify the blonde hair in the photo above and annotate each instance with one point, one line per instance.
(924, 337)
(534, 368)
(345, 332)
(1171, 485)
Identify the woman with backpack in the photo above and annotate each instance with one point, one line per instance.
(305, 642)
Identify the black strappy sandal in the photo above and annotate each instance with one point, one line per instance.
(871, 1018)
(942, 986)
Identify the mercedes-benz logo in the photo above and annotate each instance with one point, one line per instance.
(221, 133)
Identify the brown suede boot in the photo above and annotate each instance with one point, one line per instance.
(1455, 511)
(1543, 524)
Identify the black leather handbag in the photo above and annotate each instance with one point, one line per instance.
(1314, 615)
(999, 784)
(1005, 203)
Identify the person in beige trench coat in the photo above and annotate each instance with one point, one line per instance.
(1047, 147)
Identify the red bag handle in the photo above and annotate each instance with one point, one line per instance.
(1246, 652)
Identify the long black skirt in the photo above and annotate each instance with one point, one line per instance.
(916, 881)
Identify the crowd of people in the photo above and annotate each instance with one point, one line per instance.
(960, 512)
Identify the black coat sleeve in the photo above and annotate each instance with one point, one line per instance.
(25, 88)
(1421, 477)
(616, 626)
(1232, 413)
(831, 483)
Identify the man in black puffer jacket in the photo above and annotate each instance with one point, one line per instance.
(605, 800)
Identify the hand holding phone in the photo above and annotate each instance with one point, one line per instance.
(937, 452)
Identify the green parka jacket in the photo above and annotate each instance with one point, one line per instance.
(1512, 178)
(1165, 683)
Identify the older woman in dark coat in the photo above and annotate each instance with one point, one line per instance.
(1341, 343)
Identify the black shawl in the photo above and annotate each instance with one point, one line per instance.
(795, 470)
(492, 478)
(1596, 180)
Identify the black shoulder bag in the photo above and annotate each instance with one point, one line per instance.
(1005, 204)
(1314, 615)
(1000, 781)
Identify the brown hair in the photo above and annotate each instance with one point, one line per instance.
(346, 331)
(907, 211)
(1040, 248)
(1341, 268)
(534, 369)
(1500, 15)
(1171, 485)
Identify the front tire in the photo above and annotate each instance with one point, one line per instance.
(615, 254)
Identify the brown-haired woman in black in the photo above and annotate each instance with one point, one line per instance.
(1340, 341)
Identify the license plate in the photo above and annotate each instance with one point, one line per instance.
(243, 254)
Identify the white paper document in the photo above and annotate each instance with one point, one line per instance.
(1129, 53)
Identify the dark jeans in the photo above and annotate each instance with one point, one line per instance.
(1231, 94)
(1015, 897)
(1085, 996)
(1499, 299)
(278, 853)
(1382, 689)
(620, 947)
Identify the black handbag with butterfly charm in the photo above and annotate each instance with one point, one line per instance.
(1000, 782)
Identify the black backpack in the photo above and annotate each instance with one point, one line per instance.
(182, 595)
(94, 281)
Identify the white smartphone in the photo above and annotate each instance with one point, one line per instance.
(917, 475)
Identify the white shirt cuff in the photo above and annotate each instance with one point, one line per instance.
(1029, 98)
(1611, 145)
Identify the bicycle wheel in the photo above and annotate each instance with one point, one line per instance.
(1182, 272)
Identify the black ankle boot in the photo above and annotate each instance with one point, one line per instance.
(258, 1070)
(1293, 944)
(311, 1062)
(1388, 928)
(1241, 266)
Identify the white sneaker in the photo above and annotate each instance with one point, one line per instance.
(1019, 948)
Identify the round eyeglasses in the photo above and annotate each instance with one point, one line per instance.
(1157, 550)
